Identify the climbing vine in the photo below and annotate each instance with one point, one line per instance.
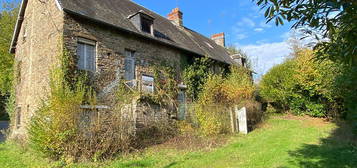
(195, 76)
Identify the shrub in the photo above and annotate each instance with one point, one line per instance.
(213, 119)
(218, 96)
(303, 86)
(195, 76)
(277, 85)
(54, 126)
(347, 82)
(155, 133)
(255, 114)
(238, 85)
(61, 129)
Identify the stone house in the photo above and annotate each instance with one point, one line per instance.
(112, 39)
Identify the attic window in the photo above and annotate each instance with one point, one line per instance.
(146, 25)
(143, 22)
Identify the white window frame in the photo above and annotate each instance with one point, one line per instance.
(146, 79)
(92, 43)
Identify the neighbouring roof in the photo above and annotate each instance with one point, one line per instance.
(116, 13)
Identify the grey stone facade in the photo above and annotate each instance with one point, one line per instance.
(37, 51)
(45, 29)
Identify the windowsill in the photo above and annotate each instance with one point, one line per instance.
(94, 107)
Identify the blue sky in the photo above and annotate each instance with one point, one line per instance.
(241, 20)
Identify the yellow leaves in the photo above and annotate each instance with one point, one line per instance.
(236, 87)
(218, 94)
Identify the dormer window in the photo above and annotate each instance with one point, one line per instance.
(143, 22)
(146, 25)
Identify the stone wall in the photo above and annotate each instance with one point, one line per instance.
(36, 53)
(110, 48)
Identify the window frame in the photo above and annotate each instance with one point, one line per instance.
(130, 57)
(149, 21)
(18, 116)
(87, 42)
(144, 84)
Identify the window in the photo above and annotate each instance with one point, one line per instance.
(24, 35)
(181, 113)
(143, 22)
(18, 71)
(146, 25)
(129, 66)
(18, 117)
(147, 84)
(86, 55)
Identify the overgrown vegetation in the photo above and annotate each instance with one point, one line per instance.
(303, 86)
(163, 98)
(196, 75)
(217, 95)
(68, 126)
(316, 143)
(55, 128)
(8, 17)
(334, 26)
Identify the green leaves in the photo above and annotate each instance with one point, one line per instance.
(7, 23)
(335, 20)
(196, 75)
(303, 85)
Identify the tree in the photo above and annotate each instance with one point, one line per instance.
(8, 17)
(277, 85)
(336, 20)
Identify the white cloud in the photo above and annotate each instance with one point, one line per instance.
(246, 22)
(258, 29)
(241, 36)
(265, 25)
(265, 56)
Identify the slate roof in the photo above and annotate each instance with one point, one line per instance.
(116, 13)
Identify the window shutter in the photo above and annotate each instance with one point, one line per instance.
(129, 68)
(81, 56)
(90, 54)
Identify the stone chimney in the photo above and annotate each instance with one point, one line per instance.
(176, 17)
(219, 39)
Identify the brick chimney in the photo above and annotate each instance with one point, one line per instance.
(176, 17)
(219, 39)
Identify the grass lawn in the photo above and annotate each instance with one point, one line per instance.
(281, 142)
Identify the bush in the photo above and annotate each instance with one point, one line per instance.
(3, 113)
(277, 85)
(347, 82)
(255, 114)
(217, 98)
(61, 129)
(303, 86)
(195, 76)
(155, 133)
(238, 86)
(213, 119)
(54, 126)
